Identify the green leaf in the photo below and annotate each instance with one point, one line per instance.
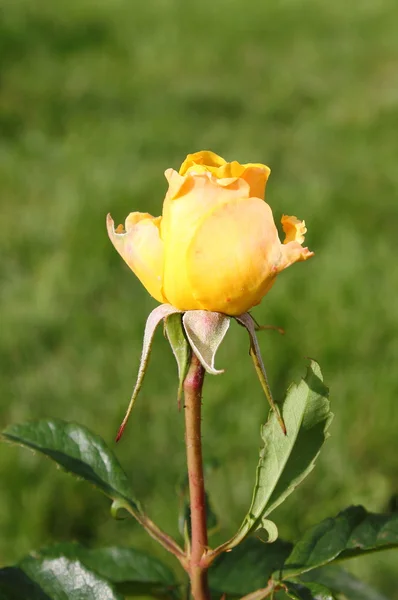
(78, 451)
(247, 567)
(270, 529)
(40, 578)
(128, 565)
(180, 347)
(128, 569)
(49, 574)
(205, 331)
(353, 532)
(310, 591)
(286, 460)
(340, 581)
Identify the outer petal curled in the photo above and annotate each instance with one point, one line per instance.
(140, 246)
(294, 229)
(292, 249)
(189, 198)
(232, 257)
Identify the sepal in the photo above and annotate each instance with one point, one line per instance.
(205, 331)
(157, 315)
(247, 321)
(175, 334)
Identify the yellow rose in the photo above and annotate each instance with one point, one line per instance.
(216, 246)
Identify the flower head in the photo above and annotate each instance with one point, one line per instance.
(216, 246)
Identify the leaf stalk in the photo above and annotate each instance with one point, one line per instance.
(159, 535)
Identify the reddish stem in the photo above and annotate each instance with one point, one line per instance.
(193, 403)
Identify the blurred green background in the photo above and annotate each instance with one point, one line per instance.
(97, 99)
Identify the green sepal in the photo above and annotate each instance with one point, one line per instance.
(175, 334)
(251, 326)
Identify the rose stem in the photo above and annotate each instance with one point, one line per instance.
(193, 403)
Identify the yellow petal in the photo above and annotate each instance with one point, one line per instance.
(140, 246)
(231, 259)
(292, 249)
(257, 177)
(294, 229)
(204, 157)
(255, 174)
(292, 252)
(187, 200)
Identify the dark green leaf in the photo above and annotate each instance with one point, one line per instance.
(39, 578)
(72, 571)
(78, 451)
(340, 581)
(116, 564)
(129, 569)
(352, 532)
(286, 460)
(16, 585)
(128, 565)
(247, 567)
(310, 591)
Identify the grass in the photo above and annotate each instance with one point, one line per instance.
(97, 100)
